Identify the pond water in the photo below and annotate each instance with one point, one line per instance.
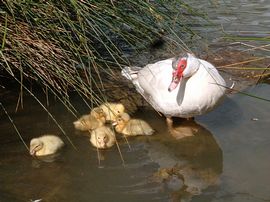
(226, 160)
(249, 18)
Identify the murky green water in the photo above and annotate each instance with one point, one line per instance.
(227, 159)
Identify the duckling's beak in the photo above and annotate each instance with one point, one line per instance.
(32, 152)
(102, 145)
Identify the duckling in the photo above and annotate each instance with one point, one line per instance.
(112, 110)
(91, 121)
(132, 127)
(99, 114)
(45, 145)
(102, 137)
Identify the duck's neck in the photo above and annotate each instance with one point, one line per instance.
(193, 65)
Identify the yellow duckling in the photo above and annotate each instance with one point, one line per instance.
(91, 121)
(99, 114)
(112, 110)
(45, 145)
(132, 127)
(102, 137)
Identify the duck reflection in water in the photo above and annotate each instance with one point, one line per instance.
(190, 161)
(189, 127)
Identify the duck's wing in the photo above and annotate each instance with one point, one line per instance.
(152, 81)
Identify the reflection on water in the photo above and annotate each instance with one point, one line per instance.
(75, 175)
(48, 159)
(224, 157)
(195, 160)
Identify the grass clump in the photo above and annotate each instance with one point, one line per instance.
(70, 45)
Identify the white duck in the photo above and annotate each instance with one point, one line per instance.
(182, 87)
(45, 145)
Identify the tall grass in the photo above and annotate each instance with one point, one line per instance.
(65, 45)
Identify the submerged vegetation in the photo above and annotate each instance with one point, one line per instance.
(70, 45)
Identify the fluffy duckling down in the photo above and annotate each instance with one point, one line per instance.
(132, 127)
(112, 110)
(45, 145)
(91, 121)
(102, 137)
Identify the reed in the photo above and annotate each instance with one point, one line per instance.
(72, 45)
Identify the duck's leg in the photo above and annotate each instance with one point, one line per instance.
(169, 122)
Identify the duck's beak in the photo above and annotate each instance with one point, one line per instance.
(177, 74)
(174, 83)
(102, 145)
(32, 152)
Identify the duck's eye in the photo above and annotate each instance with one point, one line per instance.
(118, 112)
(182, 66)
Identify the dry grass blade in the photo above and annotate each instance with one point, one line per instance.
(243, 62)
(119, 149)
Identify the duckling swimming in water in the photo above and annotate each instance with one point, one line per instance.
(91, 121)
(132, 127)
(45, 145)
(112, 110)
(102, 137)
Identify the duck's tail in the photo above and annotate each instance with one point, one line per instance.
(130, 73)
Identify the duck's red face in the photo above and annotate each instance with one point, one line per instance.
(177, 74)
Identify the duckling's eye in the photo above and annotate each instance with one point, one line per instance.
(118, 112)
